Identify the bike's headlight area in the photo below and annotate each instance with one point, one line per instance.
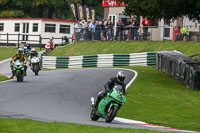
(120, 97)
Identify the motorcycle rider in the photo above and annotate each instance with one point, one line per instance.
(51, 43)
(18, 56)
(33, 53)
(28, 46)
(118, 80)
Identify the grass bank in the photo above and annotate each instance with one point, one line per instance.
(29, 126)
(3, 78)
(93, 48)
(7, 52)
(157, 99)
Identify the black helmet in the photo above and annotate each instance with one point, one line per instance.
(33, 51)
(120, 76)
(20, 51)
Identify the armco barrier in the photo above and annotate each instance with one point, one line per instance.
(181, 67)
(102, 60)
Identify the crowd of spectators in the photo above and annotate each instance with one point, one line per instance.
(106, 30)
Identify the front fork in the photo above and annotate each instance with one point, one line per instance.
(113, 104)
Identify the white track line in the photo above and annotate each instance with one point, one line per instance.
(3, 61)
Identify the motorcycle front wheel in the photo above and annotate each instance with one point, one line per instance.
(18, 75)
(111, 114)
(36, 69)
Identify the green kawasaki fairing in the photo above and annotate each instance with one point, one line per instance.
(109, 105)
(19, 70)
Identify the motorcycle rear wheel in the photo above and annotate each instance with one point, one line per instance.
(111, 114)
(93, 115)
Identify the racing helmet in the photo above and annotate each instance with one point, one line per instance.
(120, 76)
(33, 51)
(20, 51)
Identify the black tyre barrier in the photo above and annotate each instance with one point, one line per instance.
(183, 68)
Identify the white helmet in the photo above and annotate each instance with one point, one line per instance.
(120, 76)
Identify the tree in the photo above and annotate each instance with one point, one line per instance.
(168, 9)
(55, 9)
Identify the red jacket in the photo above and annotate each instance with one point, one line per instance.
(144, 24)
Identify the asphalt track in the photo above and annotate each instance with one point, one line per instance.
(59, 96)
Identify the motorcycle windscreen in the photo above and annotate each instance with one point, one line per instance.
(117, 94)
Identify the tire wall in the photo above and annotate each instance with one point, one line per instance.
(183, 68)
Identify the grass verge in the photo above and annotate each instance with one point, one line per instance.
(30, 126)
(157, 99)
(93, 48)
(7, 52)
(3, 78)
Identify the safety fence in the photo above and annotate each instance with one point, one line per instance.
(183, 68)
(137, 33)
(101, 60)
(35, 40)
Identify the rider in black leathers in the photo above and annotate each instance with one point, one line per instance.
(118, 80)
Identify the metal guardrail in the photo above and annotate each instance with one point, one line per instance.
(102, 60)
(137, 33)
(8, 39)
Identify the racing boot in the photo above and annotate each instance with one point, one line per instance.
(13, 74)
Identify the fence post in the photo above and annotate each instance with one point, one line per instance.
(18, 40)
(40, 41)
(151, 33)
(7, 38)
(163, 33)
(199, 34)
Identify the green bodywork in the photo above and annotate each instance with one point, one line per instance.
(115, 98)
(18, 67)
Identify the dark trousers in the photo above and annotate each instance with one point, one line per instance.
(145, 31)
(100, 96)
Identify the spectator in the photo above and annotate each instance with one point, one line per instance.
(110, 30)
(105, 29)
(93, 27)
(77, 30)
(127, 27)
(98, 30)
(117, 29)
(83, 25)
(88, 29)
(145, 23)
(134, 29)
(184, 33)
(178, 34)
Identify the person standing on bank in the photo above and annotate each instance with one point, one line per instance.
(134, 29)
(145, 23)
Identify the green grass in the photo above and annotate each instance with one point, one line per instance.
(157, 99)
(3, 78)
(29, 126)
(93, 48)
(154, 97)
(7, 52)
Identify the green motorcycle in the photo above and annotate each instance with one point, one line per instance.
(109, 105)
(18, 67)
